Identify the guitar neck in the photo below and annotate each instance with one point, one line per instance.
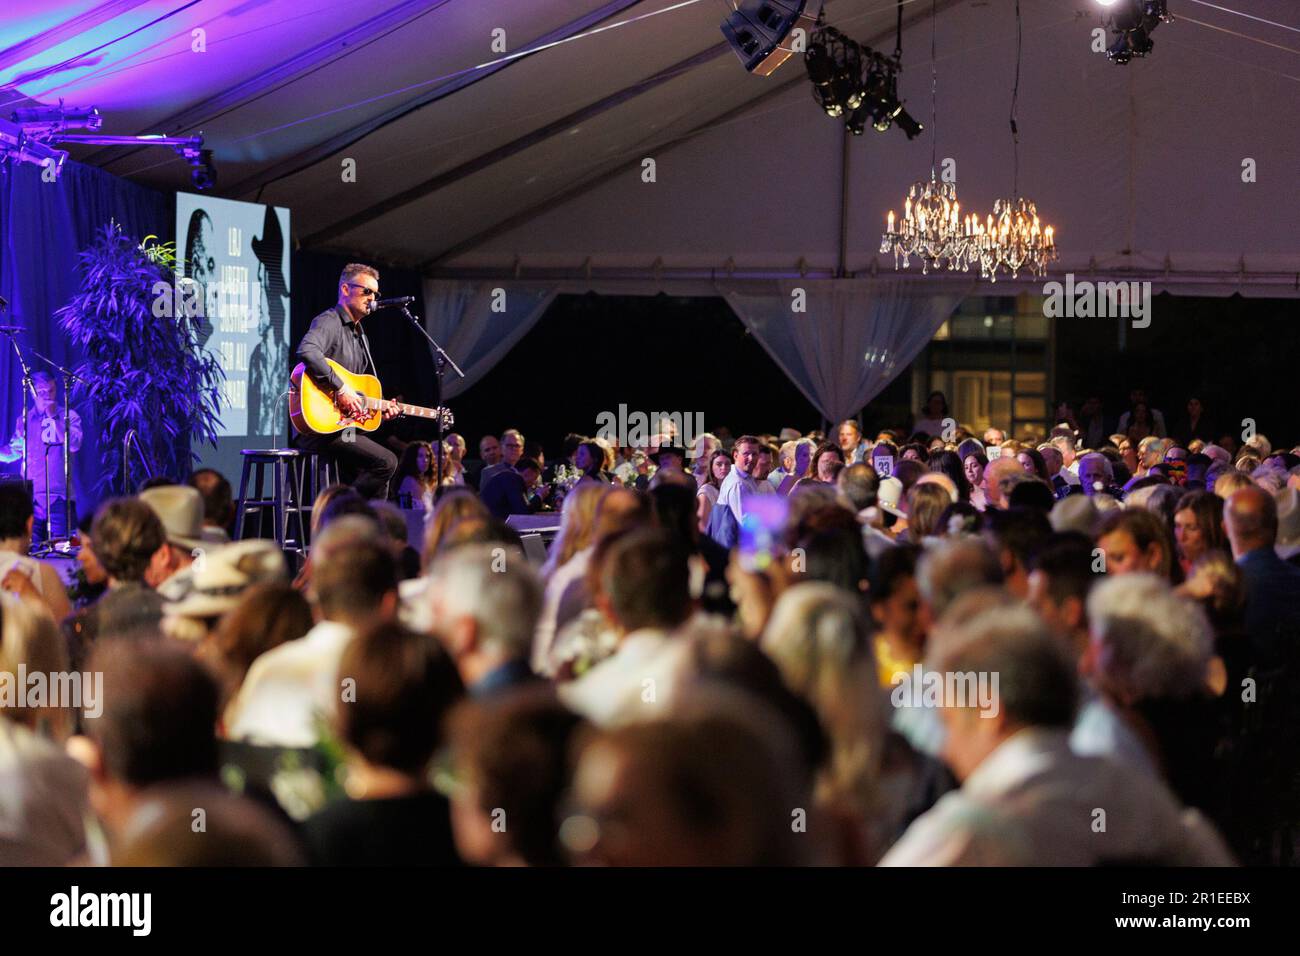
(416, 410)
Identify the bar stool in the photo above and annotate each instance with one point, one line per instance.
(284, 500)
(316, 471)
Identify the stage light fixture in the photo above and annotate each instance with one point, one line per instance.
(1133, 24)
(46, 121)
(856, 83)
(18, 144)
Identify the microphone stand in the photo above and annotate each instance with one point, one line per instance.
(440, 362)
(27, 387)
(68, 520)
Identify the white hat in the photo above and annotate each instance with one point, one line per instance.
(180, 509)
(220, 577)
(889, 494)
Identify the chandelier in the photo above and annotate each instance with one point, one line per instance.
(931, 228)
(1012, 239)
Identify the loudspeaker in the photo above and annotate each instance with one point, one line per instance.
(763, 32)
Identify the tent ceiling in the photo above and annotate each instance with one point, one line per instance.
(539, 157)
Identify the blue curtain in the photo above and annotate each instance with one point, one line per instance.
(42, 228)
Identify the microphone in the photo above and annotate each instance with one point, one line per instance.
(396, 302)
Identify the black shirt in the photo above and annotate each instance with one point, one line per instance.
(395, 831)
(334, 335)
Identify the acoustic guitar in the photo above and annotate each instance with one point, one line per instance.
(313, 412)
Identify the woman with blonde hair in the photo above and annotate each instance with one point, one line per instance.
(455, 504)
(45, 795)
(577, 524)
(820, 639)
(818, 635)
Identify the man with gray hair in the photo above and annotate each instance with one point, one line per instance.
(1026, 799)
(1096, 475)
(1147, 645)
(485, 602)
(950, 568)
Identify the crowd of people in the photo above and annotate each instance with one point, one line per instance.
(926, 647)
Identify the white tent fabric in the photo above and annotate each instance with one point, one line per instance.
(854, 337)
(506, 141)
(466, 160)
(479, 322)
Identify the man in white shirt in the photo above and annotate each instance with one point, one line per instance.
(1026, 799)
(292, 688)
(740, 482)
(645, 595)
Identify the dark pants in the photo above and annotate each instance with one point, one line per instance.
(55, 523)
(366, 464)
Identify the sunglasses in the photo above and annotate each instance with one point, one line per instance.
(365, 293)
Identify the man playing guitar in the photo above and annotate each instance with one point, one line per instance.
(337, 334)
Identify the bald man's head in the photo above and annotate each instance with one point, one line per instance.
(999, 469)
(1250, 518)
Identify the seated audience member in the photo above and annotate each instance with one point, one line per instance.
(393, 520)
(1097, 475)
(291, 689)
(951, 568)
(826, 458)
(1134, 540)
(853, 447)
(926, 502)
(645, 596)
(405, 685)
(489, 454)
(217, 583)
(237, 831)
(900, 639)
(1060, 579)
(510, 762)
(818, 637)
(414, 481)
(1272, 615)
(514, 491)
(1026, 799)
(568, 592)
(1015, 535)
(707, 494)
(156, 725)
(28, 578)
(674, 511)
(451, 507)
(577, 525)
(996, 478)
(258, 619)
(180, 509)
(43, 792)
(973, 467)
(131, 545)
(1198, 527)
(93, 578)
(1149, 660)
(509, 451)
(688, 790)
(218, 504)
(485, 606)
